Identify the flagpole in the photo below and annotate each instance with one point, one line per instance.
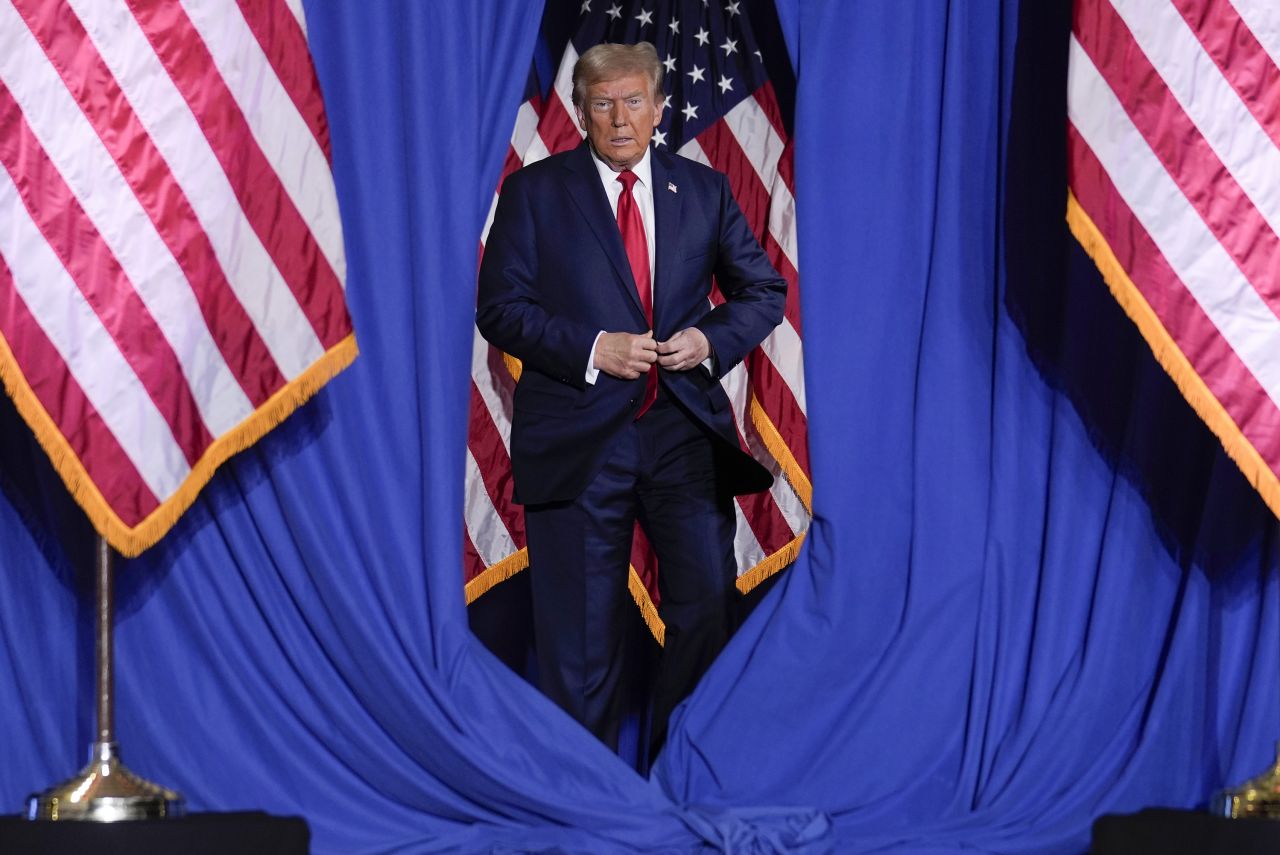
(104, 790)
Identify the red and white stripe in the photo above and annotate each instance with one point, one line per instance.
(172, 252)
(748, 144)
(1174, 154)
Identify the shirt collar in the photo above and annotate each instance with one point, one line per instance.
(643, 169)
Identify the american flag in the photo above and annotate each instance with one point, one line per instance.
(721, 110)
(171, 260)
(1174, 174)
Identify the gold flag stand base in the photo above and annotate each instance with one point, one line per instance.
(1256, 798)
(105, 791)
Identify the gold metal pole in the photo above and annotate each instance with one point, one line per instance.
(104, 677)
(104, 791)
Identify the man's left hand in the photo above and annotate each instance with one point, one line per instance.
(686, 349)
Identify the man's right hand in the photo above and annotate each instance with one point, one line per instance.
(625, 355)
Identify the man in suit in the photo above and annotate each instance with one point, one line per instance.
(596, 275)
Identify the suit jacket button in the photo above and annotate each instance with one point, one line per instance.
(633, 402)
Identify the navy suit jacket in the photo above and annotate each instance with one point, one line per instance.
(555, 273)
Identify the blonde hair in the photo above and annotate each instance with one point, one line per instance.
(609, 62)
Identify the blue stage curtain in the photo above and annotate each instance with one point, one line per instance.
(1036, 591)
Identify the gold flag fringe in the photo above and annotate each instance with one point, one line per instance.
(771, 565)
(131, 541)
(781, 452)
(644, 602)
(501, 571)
(514, 366)
(1171, 358)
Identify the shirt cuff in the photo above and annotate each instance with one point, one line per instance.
(592, 371)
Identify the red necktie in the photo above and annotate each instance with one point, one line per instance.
(632, 227)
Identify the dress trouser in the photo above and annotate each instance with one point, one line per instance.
(663, 472)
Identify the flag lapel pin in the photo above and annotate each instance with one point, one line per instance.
(671, 186)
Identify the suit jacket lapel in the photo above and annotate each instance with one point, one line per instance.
(583, 182)
(666, 222)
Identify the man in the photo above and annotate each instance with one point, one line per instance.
(596, 275)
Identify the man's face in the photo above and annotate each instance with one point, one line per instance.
(619, 119)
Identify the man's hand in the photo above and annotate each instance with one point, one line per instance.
(625, 355)
(686, 349)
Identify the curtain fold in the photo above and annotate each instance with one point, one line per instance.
(1035, 590)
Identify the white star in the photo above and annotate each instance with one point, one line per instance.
(690, 112)
(725, 84)
(674, 26)
(696, 74)
(729, 46)
(670, 64)
(614, 11)
(702, 36)
(586, 6)
(732, 8)
(659, 138)
(662, 102)
(645, 17)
